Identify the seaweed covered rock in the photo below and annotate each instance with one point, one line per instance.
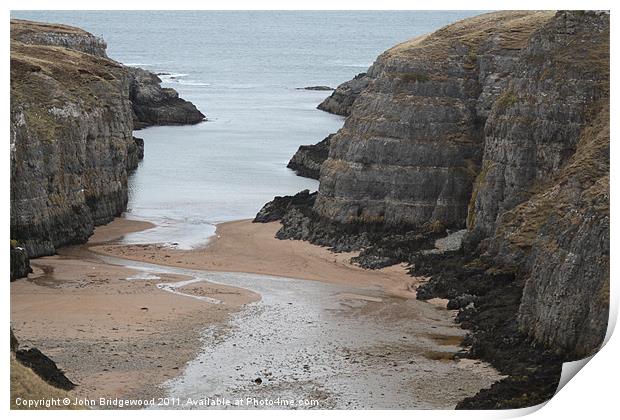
(277, 208)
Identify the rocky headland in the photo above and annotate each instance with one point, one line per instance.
(495, 130)
(73, 111)
(154, 105)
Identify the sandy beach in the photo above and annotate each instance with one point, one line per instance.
(113, 336)
(116, 334)
(246, 247)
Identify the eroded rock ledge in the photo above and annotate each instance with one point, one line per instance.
(498, 124)
(308, 159)
(341, 100)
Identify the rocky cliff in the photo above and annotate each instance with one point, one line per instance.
(71, 134)
(71, 142)
(151, 104)
(498, 124)
(483, 125)
(411, 148)
(542, 195)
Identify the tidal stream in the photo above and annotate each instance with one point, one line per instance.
(309, 344)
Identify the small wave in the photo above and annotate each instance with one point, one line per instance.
(143, 276)
(138, 65)
(341, 63)
(364, 65)
(172, 76)
(192, 83)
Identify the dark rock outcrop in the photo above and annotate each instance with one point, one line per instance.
(20, 262)
(341, 100)
(277, 208)
(308, 159)
(316, 88)
(380, 246)
(44, 367)
(135, 153)
(154, 105)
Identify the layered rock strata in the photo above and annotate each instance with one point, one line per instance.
(342, 98)
(412, 146)
(39, 33)
(483, 124)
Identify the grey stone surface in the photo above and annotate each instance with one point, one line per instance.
(342, 98)
(154, 105)
(308, 159)
(411, 148)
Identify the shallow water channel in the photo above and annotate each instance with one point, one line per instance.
(309, 344)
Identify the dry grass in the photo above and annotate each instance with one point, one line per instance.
(43, 77)
(21, 27)
(512, 27)
(587, 170)
(26, 384)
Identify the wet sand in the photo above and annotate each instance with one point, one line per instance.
(110, 328)
(246, 247)
(347, 332)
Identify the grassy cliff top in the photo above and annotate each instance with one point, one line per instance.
(32, 63)
(20, 28)
(513, 28)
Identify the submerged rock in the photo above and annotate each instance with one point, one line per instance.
(316, 88)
